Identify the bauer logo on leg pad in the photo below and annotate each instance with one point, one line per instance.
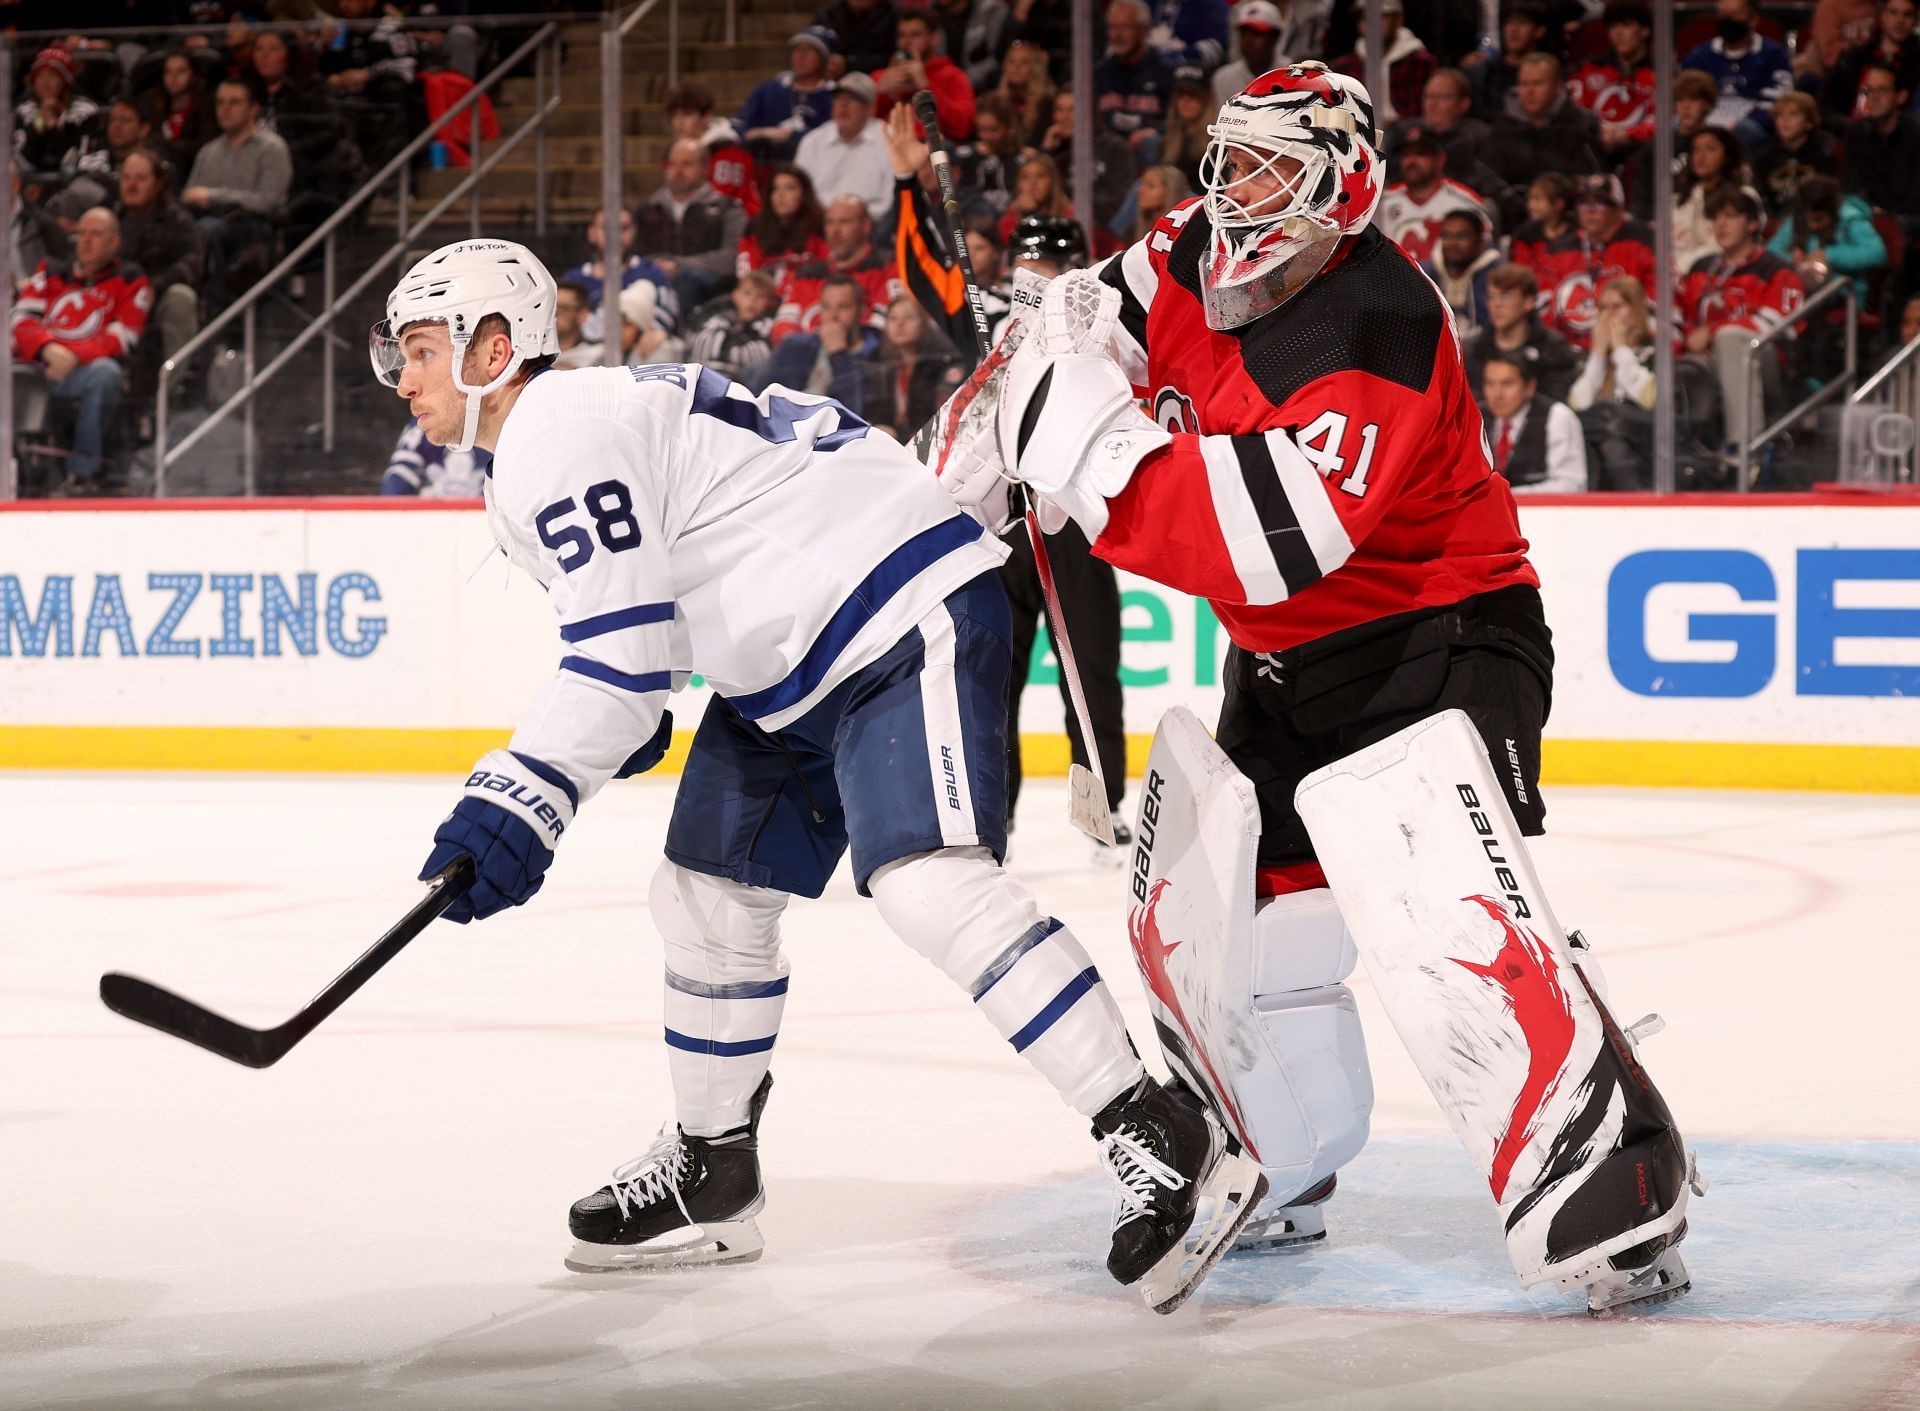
(1502, 873)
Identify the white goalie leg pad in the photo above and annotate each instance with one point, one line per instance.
(1535, 1077)
(1247, 1006)
(1026, 972)
(726, 986)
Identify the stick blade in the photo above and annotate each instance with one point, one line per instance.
(144, 1003)
(1087, 804)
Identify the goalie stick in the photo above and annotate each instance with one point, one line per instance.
(161, 1009)
(1086, 786)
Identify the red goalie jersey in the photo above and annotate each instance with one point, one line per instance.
(1361, 370)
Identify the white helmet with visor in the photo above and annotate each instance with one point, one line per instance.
(458, 285)
(1293, 167)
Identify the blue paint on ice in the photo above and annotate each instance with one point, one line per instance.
(1789, 1232)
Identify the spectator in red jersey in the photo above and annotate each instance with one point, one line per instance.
(1514, 326)
(790, 231)
(1413, 207)
(80, 324)
(1797, 148)
(1549, 216)
(729, 165)
(1536, 440)
(917, 64)
(850, 251)
(1893, 43)
(1131, 83)
(1603, 245)
(1409, 64)
(1541, 130)
(1617, 87)
(1729, 296)
(1883, 149)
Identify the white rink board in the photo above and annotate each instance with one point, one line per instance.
(1792, 620)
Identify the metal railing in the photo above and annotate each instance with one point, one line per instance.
(545, 42)
(1839, 288)
(1899, 377)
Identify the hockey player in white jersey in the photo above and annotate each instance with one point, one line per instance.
(856, 638)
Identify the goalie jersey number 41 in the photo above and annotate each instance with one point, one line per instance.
(1361, 370)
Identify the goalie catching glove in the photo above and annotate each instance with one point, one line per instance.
(1026, 405)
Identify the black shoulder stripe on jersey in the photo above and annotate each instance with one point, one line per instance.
(1374, 313)
(1286, 540)
(1133, 314)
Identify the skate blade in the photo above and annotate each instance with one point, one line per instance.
(1660, 1282)
(1237, 1186)
(1288, 1230)
(1283, 1243)
(732, 1242)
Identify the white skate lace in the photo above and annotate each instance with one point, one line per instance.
(1135, 1172)
(654, 1174)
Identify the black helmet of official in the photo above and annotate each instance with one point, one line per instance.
(1056, 238)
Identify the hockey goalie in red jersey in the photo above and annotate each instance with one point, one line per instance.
(1310, 460)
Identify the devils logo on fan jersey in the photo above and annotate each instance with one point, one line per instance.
(1573, 270)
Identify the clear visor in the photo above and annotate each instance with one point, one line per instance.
(389, 359)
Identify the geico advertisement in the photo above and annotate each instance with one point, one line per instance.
(1766, 623)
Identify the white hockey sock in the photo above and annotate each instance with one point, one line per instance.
(726, 985)
(1029, 975)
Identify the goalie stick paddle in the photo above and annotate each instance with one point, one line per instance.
(1086, 787)
(162, 1009)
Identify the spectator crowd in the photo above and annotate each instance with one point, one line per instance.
(796, 240)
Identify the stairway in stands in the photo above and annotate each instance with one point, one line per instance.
(368, 418)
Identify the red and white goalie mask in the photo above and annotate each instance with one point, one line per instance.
(1294, 164)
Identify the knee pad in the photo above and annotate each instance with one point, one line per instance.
(716, 930)
(1307, 1099)
(956, 907)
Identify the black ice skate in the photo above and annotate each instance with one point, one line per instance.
(1166, 1155)
(686, 1201)
(1282, 1225)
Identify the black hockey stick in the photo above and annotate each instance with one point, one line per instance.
(168, 1012)
(1086, 787)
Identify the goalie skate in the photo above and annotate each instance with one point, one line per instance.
(1288, 1225)
(684, 1202)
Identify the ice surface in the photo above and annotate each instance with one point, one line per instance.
(381, 1218)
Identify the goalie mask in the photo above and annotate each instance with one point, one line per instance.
(1293, 166)
(459, 285)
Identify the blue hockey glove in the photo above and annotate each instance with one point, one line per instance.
(651, 753)
(513, 813)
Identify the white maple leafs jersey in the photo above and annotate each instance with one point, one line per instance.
(775, 545)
